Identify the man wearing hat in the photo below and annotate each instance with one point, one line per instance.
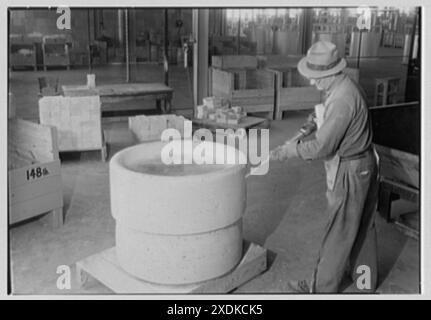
(343, 140)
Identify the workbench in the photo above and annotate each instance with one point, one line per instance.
(246, 123)
(111, 94)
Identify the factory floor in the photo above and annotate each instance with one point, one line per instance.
(285, 209)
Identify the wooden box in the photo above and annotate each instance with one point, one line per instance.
(252, 89)
(55, 51)
(34, 177)
(23, 55)
(78, 122)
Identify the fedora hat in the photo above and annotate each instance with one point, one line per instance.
(322, 60)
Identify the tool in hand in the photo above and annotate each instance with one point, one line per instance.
(307, 128)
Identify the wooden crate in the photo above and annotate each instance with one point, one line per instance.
(34, 177)
(78, 122)
(55, 51)
(22, 55)
(252, 89)
(105, 268)
(399, 166)
(399, 178)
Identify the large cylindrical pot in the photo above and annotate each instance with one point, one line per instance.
(176, 224)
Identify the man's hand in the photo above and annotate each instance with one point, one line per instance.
(312, 117)
(284, 152)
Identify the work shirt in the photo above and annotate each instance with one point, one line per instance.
(346, 128)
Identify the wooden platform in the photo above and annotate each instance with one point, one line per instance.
(105, 268)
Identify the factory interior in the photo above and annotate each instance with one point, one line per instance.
(83, 80)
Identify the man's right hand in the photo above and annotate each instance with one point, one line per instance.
(277, 154)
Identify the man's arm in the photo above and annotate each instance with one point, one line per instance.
(330, 134)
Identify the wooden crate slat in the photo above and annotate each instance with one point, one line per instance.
(18, 177)
(34, 189)
(27, 209)
(234, 61)
(28, 137)
(295, 96)
(223, 82)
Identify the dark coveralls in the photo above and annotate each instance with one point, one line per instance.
(344, 142)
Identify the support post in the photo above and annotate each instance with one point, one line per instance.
(89, 41)
(165, 51)
(131, 26)
(306, 27)
(126, 26)
(200, 54)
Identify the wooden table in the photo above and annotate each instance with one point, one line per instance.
(114, 93)
(246, 123)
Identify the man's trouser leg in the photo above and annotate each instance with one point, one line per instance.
(347, 202)
(363, 258)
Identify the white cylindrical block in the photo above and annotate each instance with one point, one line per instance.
(179, 259)
(177, 224)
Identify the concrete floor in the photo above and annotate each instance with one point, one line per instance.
(285, 208)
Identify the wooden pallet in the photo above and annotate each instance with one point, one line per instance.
(105, 268)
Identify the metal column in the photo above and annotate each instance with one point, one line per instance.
(200, 55)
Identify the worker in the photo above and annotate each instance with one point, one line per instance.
(343, 140)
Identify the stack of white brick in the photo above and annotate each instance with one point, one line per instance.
(77, 119)
(150, 128)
